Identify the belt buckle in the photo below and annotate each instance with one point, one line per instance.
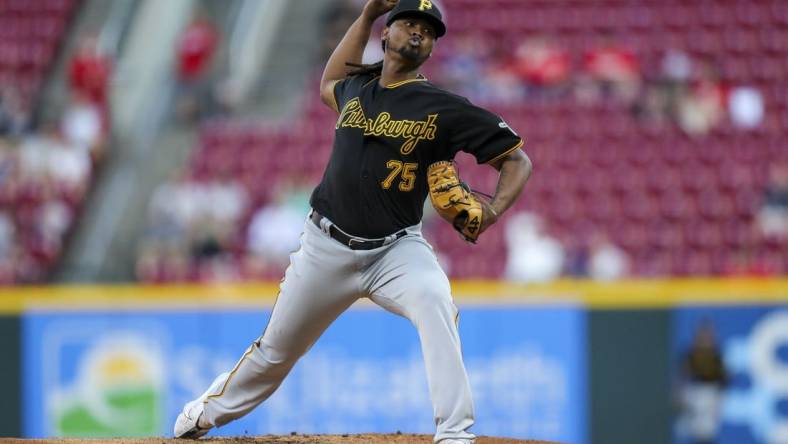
(353, 241)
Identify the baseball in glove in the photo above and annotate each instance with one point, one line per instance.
(454, 200)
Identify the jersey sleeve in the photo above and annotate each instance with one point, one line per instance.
(481, 133)
(348, 88)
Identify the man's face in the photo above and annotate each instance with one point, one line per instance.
(410, 37)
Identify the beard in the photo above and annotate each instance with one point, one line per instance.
(412, 54)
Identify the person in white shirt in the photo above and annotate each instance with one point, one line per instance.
(533, 255)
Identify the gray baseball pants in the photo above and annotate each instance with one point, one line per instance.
(323, 280)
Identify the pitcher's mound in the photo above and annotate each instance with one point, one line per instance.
(293, 439)
(362, 439)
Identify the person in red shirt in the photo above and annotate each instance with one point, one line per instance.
(195, 52)
(541, 63)
(196, 48)
(610, 70)
(89, 71)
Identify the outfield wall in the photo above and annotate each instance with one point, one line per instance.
(571, 361)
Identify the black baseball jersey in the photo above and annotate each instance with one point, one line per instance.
(386, 137)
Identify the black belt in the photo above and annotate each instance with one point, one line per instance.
(354, 243)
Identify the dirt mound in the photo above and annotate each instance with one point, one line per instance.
(293, 439)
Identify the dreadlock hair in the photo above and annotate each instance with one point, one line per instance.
(361, 69)
(375, 69)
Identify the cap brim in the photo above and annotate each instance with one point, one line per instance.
(440, 28)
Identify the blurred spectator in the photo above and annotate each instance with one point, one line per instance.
(275, 229)
(703, 379)
(35, 151)
(542, 64)
(772, 219)
(7, 236)
(598, 258)
(658, 103)
(191, 228)
(82, 126)
(196, 48)
(473, 71)
(215, 229)
(465, 65)
(46, 157)
(89, 72)
(9, 172)
(7, 248)
(500, 85)
(225, 204)
(609, 71)
(576, 260)
(607, 261)
(703, 107)
(53, 219)
(163, 252)
(746, 107)
(533, 256)
(14, 120)
(69, 168)
(227, 200)
(195, 52)
(169, 212)
(676, 66)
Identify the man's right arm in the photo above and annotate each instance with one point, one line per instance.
(351, 48)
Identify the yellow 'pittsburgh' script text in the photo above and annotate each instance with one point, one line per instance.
(414, 131)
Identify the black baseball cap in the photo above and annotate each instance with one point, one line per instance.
(424, 8)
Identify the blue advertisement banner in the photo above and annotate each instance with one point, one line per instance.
(100, 374)
(751, 407)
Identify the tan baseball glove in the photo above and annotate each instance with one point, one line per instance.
(454, 200)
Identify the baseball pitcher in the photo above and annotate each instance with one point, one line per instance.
(395, 138)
